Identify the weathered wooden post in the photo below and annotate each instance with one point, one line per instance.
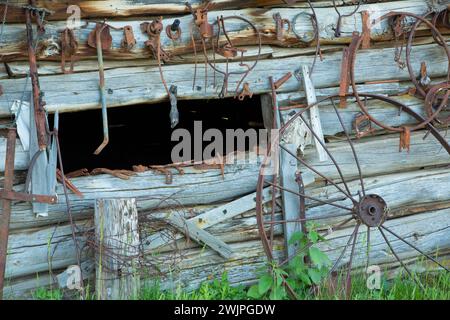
(117, 237)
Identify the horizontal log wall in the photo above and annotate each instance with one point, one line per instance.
(415, 184)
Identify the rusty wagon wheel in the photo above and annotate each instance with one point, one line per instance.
(344, 199)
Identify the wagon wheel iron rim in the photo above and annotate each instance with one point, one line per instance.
(431, 116)
(369, 210)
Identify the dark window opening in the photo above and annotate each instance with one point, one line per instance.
(142, 135)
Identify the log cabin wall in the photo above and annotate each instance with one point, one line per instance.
(417, 183)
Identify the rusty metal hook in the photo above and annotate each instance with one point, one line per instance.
(101, 30)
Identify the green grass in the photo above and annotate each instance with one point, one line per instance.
(212, 290)
(437, 287)
(47, 294)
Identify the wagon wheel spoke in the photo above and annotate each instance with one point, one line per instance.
(400, 260)
(415, 248)
(310, 244)
(368, 248)
(351, 146)
(275, 222)
(336, 263)
(303, 162)
(348, 280)
(338, 168)
(309, 197)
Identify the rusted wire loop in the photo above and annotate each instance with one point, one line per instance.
(227, 73)
(337, 31)
(431, 97)
(313, 22)
(361, 104)
(440, 40)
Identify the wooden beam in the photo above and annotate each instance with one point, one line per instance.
(238, 32)
(208, 186)
(123, 8)
(314, 114)
(128, 86)
(117, 253)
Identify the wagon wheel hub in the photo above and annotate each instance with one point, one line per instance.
(371, 210)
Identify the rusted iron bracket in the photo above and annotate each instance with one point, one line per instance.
(128, 41)
(201, 20)
(173, 31)
(405, 139)
(280, 24)
(153, 30)
(424, 78)
(366, 29)
(347, 58)
(68, 183)
(246, 92)
(282, 80)
(69, 47)
(7, 195)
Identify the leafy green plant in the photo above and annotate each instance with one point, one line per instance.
(47, 294)
(307, 268)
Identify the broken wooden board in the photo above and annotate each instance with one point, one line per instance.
(201, 236)
(209, 218)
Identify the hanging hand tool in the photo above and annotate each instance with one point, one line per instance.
(174, 114)
(39, 104)
(100, 38)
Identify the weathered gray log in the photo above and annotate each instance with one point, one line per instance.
(378, 155)
(75, 92)
(195, 186)
(117, 236)
(123, 8)
(428, 231)
(20, 68)
(239, 32)
(382, 111)
(29, 250)
(44, 249)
